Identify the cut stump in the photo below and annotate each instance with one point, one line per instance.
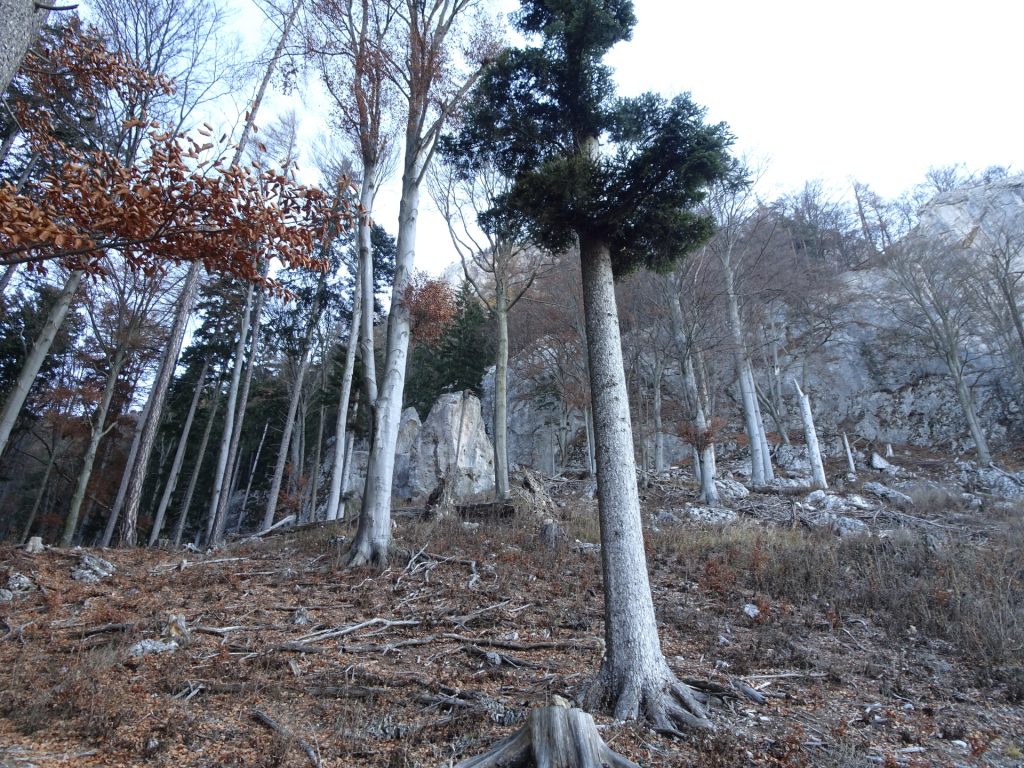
(553, 737)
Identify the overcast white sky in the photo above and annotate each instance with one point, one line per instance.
(878, 90)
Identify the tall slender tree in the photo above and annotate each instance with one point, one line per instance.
(431, 87)
(543, 111)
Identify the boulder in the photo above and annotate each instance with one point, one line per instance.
(994, 482)
(451, 444)
(35, 545)
(731, 489)
(888, 494)
(19, 582)
(715, 515)
(92, 569)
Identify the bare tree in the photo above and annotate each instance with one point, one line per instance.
(500, 268)
(431, 87)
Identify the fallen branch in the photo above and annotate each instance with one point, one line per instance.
(496, 659)
(265, 719)
(512, 645)
(463, 620)
(326, 634)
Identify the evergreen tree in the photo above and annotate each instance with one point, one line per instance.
(457, 360)
(619, 178)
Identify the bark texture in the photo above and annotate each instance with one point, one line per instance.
(20, 21)
(553, 737)
(634, 679)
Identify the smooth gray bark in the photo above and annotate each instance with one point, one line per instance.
(34, 361)
(217, 513)
(179, 457)
(634, 675)
(197, 467)
(341, 426)
(373, 535)
(293, 409)
(705, 469)
(122, 489)
(500, 425)
(818, 479)
(252, 474)
(157, 396)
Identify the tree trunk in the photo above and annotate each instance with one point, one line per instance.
(126, 474)
(818, 479)
(221, 482)
(760, 465)
(963, 394)
(252, 474)
(157, 397)
(293, 407)
(34, 361)
(179, 528)
(367, 195)
(501, 394)
(314, 480)
(373, 535)
(553, 737)
(43, 484)
(179, 457)
(851, 466)
(588, 425)
(341, 427)
(705, 469)
(242, 403)
(659, 435)
(634, 675)
(97, 432)
(21, 22)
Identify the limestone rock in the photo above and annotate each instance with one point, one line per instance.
(731, 489)
(6, 595)
(451, 444)
(19, 582)
(715, 515)
(995, 482)
(792, 458)
(888, 494)
(34, 546)
(92, 569)
(147, 647)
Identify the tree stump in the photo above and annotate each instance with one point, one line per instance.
(558, 736)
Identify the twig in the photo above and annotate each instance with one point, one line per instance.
(265, 719)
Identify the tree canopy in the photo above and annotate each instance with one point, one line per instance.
(625, 171)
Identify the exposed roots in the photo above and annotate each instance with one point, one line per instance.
(554, 737)
(667, 704)
(366, 554)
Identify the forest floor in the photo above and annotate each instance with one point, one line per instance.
(900, 648)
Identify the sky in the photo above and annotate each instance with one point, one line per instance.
(873, 91)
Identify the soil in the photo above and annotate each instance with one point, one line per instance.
(287, 659)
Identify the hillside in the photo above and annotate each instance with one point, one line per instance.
(899, 647)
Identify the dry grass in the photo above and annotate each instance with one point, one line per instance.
(967, 593)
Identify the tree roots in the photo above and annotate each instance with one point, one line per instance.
(554, 737)
(667, 704)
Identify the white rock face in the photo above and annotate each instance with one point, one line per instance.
(452, 443)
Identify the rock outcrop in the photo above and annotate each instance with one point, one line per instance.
(451, 444)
